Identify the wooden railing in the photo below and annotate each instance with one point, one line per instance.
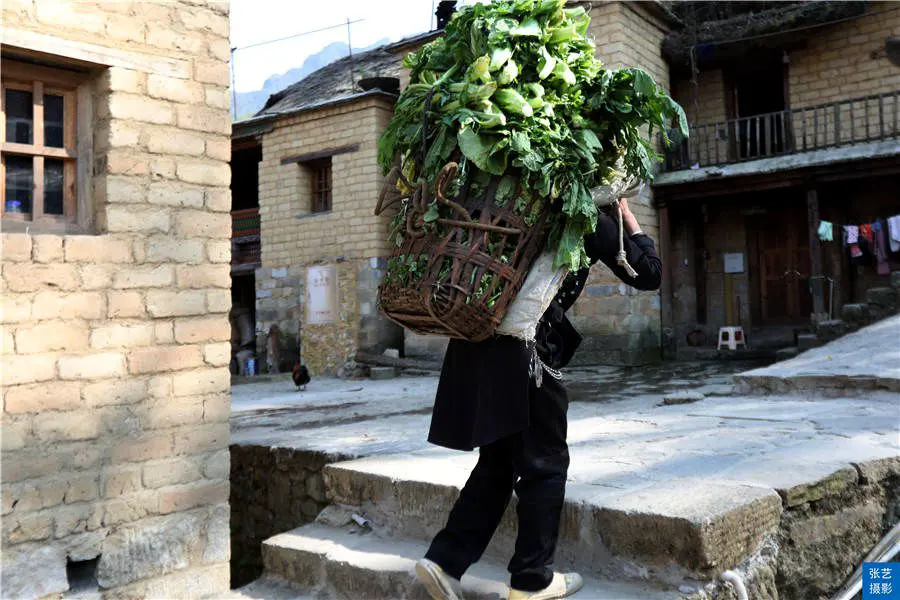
(863, 119)
(245, 240)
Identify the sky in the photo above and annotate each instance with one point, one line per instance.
(254, 21)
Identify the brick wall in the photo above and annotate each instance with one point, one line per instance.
(115, 343)
(350, 236)
(620, 324)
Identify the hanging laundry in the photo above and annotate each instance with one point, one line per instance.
(882, 267)
(894, 233)
(865, 231)
(826, 231)
(855, 251)
(851, 234)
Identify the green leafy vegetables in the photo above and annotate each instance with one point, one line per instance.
(514, 89)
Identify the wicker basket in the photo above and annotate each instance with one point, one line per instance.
(467, 269)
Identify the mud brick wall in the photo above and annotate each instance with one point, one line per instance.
(273, 490)
(115, 342)
(349, 236)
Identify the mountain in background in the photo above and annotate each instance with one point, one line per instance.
(248, 103)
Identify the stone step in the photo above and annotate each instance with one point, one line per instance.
(831, 330)
(855, 314)
(354, 562)
(882, 297)
(269, 587)
(786, 353)
(805, 341)
(666, 531)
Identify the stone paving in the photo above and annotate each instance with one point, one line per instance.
(621, 433)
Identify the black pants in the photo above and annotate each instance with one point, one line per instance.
(534, 464)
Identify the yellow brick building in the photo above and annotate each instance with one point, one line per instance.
(116, 391)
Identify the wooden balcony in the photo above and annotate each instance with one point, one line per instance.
(245, 240)
(865, 119)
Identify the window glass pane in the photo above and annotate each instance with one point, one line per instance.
(19, 117)
(19, 184)
(53, 121)
(53, 186)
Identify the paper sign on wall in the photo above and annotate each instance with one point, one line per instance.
(734, 262)
(322, 304)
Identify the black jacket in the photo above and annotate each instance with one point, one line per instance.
(485, 389)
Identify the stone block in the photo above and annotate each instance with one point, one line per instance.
(206, 381)
(166, 193)
(382, 372)
(882, 297)
(34, 572)
(176, 90)
(15, 308)
(135, 107)
(89, 248)
(685, 397)
(218, 97)
(202, 330)
(120, 219)
(217, 355)
(96, 277)
(66, 426)
(47, 248)
(43, 397)
(201, 118)
(144, 276)
(121, 480)
(125, 305)
(15, 247)
(122, 336)
(212, 71)
(175, 304)
(174, 142)
(79, 305)
(203, 276)
(32, 368)
(82, 489)
(130, 509)
(166, 413)
(218, 251)
(52, 335)
(855, 314)
(805, 341)
(14, 433)
(202, 438)
(147, 549)
(186, 497)
(141, 448)
(114, 392)
(168, 249)
(25, 277)
(198, 223)
(28, 528)
(212, 173)
(218, 536)
(92, 366)
(218, 301)
(219, 149)
(170, 471)
(217, 465)
(163, 358)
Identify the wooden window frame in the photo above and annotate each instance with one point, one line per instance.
(321, 185)
(41, 81)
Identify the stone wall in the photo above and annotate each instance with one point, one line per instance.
(273, 490)
(350, 236)
(620, 324)
(115, 342)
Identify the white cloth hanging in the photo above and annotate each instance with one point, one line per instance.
(894, 232)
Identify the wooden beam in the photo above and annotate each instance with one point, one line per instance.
(299, 158)
(815, 252)
(665, 289)
(38, 149)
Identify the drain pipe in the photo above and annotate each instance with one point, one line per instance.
(883, 551)
(738, 583)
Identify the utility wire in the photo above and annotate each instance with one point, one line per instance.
(344, 24)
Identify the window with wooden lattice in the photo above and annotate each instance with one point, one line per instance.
(320, 176)
(38, 143)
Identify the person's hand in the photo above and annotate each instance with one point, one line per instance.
(628, 219)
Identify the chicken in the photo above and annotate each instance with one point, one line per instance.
(300, 374)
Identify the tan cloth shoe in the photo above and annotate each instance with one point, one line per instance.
(563, 585)
(440, 586)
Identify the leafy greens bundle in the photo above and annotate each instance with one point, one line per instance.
(514, 87)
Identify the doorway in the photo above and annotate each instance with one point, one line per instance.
(758, 102)
(779, 241)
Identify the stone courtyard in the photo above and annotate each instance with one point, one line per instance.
(679, 470)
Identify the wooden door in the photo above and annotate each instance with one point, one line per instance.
(784, 265)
